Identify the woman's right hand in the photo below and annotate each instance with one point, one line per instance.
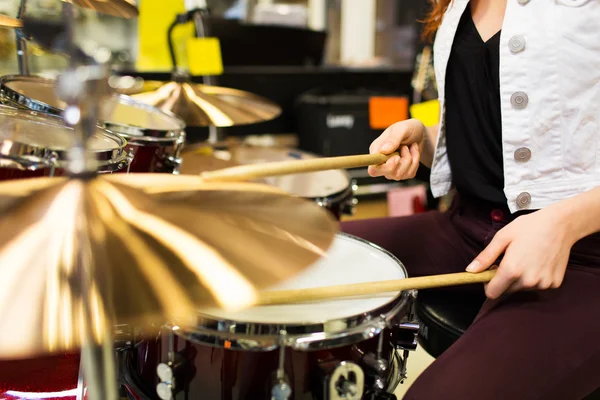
(405, 137)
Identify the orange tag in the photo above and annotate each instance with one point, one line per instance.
(385, 111)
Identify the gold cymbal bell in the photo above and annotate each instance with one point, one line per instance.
(156, 250)
(8, 22)
(117, 8)
(205, 105)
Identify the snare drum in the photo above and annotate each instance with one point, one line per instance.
(339, 349)
(333, 189)
(155, 137)
(35, 145)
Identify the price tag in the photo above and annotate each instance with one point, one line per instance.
(385, 111)
(427, 112)
(204, 56)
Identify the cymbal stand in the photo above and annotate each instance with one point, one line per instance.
(197, 16)
(22, 55)
(82, 86)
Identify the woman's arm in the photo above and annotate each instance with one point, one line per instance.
(537, 246)
(580, 214)
(427, 145)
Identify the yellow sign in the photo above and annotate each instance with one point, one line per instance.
(155, 17)
(427, 112)
(204, 56)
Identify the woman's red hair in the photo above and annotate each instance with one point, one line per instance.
(434, 18)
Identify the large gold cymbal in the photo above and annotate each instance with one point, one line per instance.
(157, 248)
(8, 22)
(117, 8)
(204, 105)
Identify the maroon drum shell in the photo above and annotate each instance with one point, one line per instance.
(158, 157)
(217, 373)
(42, 376)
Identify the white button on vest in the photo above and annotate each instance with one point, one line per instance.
(522, 154)
(523, 200)
(519, 100)
(516, 43)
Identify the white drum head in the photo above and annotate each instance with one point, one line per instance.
(127, 111)
(308, 185)
(349, 260)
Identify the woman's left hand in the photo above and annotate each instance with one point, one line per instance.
(536, 250)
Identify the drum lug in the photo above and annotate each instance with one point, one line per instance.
(347, 381)
(281, 390)
(405, 336)
(130, 156)
(174, 162)
(168, 373)
(348, 207)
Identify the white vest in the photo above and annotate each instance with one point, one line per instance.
(550, 99)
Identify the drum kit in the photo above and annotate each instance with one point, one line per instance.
(124, 274)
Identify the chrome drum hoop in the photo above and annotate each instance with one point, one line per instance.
(13, 98)
(139, 134)
(30, 157)
(304, 337)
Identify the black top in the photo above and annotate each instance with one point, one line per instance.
(473, 117)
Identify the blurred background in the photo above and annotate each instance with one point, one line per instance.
(322, 61)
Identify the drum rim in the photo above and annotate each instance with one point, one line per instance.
(30, 157)
(131, 132)
(254, 336)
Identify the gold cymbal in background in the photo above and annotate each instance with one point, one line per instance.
(204, 105)
(156, 249)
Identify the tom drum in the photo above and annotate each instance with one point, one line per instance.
(33, 144)
(154, 137)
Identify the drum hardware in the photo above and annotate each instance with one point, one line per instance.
(346, 382)
(169, 372)
(281, 389)
(22, 56)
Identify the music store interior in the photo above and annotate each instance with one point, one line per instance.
(173, 177)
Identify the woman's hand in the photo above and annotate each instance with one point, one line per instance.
(536, 250)
(405, 137)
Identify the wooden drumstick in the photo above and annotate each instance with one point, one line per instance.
(262, 170)
(367, 288)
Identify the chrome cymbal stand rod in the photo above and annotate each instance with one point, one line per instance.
(22, 55)
(198, 10)
(83, 86)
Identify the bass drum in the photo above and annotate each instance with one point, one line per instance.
(333, 189)
(339, 349)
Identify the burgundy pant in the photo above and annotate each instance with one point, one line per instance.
(529, 345)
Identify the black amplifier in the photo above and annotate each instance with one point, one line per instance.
(345, 122)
